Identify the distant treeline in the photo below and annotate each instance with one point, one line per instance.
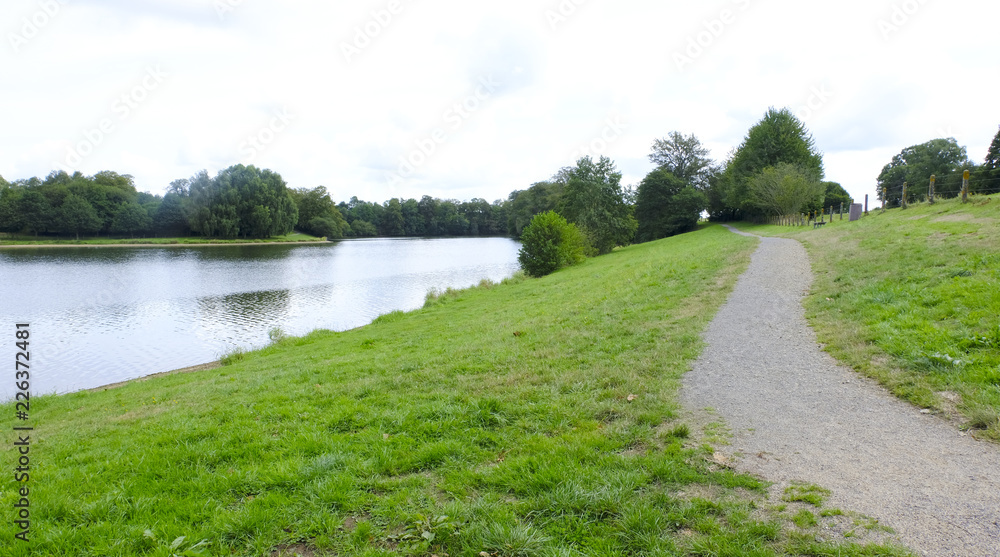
(240, 202)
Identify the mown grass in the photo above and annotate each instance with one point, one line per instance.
(7, 240)
(912, 298)
(535, 417)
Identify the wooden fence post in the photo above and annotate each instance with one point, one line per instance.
(866, 203)
(930, 192)
(965, 187)
(902, 202)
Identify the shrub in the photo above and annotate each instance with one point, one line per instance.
(550, 243)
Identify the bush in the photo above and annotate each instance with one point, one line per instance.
(550, 243)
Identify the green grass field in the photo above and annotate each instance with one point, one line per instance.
(533, 417)
(6, 240)
(912, 298)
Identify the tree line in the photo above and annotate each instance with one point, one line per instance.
(776, 170)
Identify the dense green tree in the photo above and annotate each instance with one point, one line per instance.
(131, 219)
(835, 194)
(413, 221)
(76, 216)
(428, 209)
(549, 243)
(593, 200)
(242, 201)
(525, 204)
(392, 222)
(666, 205)
(784, 189)
(170, 218)
(363, 229)
(684, 157)
(318, 215)
(779, 137)
(33, 213)
(916, 164)
(990, 170)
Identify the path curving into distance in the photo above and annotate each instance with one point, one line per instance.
(796, 415)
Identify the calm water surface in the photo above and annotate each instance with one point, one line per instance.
(101, 315)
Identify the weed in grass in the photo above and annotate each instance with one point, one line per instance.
(804, 519)
(807, 493)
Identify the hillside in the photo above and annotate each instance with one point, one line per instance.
(535, 417)
(912, 298)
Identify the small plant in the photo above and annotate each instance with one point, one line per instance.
(236, 354)
(423, 531)
(812, 494)
(276, 334)
(176, 547)
(681, 431)
(804, 519)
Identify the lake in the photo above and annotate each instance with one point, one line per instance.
(102, 315)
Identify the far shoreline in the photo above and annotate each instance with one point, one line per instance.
(177, 245)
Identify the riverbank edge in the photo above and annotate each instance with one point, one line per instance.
(190, 369)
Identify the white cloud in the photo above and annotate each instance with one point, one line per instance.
(355, 120)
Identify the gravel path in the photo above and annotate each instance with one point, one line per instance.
(796, 415)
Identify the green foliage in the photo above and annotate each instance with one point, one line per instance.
(593, 200)
(550, 243)
(77, 216)
(242, 201)
(806, 493)
(834, 195)
(943, 158)
(131, 219)
(779, 137)
(318, 214)
(684, 157)
(784, 189)
(170, 218)
(363, 229)
(666, 205)
(525, 204)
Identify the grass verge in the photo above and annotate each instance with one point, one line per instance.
(535, 417)
(912, 298)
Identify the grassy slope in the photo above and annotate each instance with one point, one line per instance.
(294, 237)
(912, 298)
(539, 416)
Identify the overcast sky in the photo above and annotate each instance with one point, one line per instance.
(459, 100)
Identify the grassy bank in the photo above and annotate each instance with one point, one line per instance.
(8, 241)
(912, 298)
(535, 417)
